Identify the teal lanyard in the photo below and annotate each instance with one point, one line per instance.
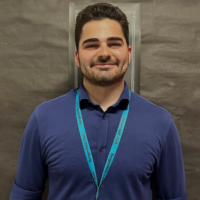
(86, 145)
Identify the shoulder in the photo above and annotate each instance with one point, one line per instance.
(147, 106)
(144, 102)
(55, 107)
(60, 101)
(149, 113)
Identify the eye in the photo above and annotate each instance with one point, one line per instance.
(95, 46)
(91, 46)
(115, 44)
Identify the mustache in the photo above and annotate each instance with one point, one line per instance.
(104, 62)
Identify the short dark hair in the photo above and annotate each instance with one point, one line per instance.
(100, 11)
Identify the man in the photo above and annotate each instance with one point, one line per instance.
(101, 140)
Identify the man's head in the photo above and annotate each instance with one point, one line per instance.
(100, 11)
(101, 36)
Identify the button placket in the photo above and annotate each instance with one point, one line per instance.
(102, 135)
(101, 149)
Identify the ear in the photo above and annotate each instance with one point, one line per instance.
(77, 57)
(129, 53)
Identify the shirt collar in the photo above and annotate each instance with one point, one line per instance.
(124, 97)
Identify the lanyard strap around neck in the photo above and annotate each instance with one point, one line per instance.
(86, 145)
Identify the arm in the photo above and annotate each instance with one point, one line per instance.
(169, 175)
(31, 170)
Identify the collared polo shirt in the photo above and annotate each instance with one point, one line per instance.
(149, 152)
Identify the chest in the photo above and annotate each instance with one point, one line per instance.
(135, 157)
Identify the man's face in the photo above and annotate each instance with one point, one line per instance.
(103, 54)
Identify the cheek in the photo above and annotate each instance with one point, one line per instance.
(87, 57)
(120, 55)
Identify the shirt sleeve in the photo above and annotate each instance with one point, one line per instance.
(31, 172)
(169, 179)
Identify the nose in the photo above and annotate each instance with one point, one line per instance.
(104, 53)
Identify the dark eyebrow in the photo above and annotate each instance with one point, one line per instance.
(96, 40)
(90, 40)
(115, 38)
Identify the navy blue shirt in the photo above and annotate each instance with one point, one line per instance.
(149, 152)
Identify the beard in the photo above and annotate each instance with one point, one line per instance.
(103, 77)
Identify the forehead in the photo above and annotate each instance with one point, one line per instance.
(102, 29)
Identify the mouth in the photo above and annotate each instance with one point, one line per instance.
(104, 64)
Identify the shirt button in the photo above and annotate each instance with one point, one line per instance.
(101, 149)
(103, 117)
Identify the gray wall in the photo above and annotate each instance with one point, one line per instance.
(34, 68)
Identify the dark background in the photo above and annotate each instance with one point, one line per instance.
(34, 69)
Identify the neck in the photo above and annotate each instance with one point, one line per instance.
(104, 96)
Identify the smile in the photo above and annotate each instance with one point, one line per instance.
(106, 64)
